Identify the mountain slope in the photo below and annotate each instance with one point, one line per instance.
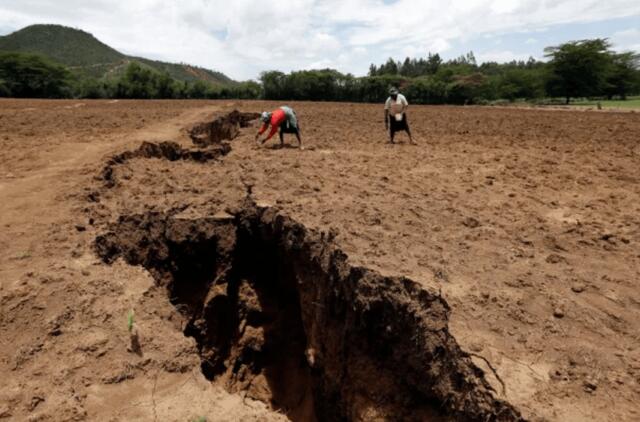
(71, 47)
(87, 56)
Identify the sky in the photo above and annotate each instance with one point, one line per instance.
(242, 38)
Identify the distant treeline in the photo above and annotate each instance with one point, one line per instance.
(33, 76)
(587, 68)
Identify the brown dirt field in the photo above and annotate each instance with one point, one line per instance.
(492, 270)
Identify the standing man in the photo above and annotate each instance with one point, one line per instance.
(395, 116)
(283, 118)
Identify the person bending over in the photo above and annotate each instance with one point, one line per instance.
(283, 118)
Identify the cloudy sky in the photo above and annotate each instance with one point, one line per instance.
(244, 37)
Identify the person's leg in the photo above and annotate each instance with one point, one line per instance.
(392, 130)
(281, 137)
(298, 137)
(410, 137)
(406, 127)
(401, 125)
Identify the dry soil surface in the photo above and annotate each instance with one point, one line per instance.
(525, 222)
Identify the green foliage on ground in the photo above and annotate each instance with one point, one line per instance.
(631, 102)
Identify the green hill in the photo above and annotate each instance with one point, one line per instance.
(85, 55)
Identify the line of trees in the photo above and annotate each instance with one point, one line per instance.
(33, 76)
(144, 83)
(587, 68)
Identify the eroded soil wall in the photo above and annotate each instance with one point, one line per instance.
(278, 313)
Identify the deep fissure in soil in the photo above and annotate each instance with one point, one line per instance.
(170, 151)
(225, 127)
(209, 138)
(279, 314)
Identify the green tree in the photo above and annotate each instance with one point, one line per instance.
(433, 63)
(4, 89)
(198, 90)
(376, 89)
(247, 90)
(578, 68)
(165, 86)
(33, 76)
(408, 68)
(623, 75)
(467, 89)
(91, 88)
(518, 82)
(137, 82)
(272, 85)
(426, 90)
(389, 68)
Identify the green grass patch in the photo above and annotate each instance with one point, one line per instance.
(631, 102)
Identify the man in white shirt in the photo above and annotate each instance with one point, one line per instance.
(395, 116)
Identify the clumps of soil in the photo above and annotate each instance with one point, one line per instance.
(279, 314)
(225, 127)
(164, 150)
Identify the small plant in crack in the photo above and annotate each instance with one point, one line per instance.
(130, 321)
(23, 255)
(134, 337)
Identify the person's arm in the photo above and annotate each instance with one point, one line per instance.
(405, 103)
(262, 129)
(387, 104)
(274, 129)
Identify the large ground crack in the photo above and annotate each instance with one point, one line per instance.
(170, 151)
(209, 138)
(279, 314)
(224, 127)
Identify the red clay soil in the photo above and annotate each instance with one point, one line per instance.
(516, 230)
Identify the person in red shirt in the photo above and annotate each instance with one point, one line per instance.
(283, 118)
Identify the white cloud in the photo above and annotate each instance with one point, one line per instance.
(439, 45)
(501, 56)
(244, 37)
(627, 40)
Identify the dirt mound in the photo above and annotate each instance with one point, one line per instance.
(278, 313)
(164, 150)
(222, 128)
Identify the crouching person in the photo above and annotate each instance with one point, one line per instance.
(284, 119)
